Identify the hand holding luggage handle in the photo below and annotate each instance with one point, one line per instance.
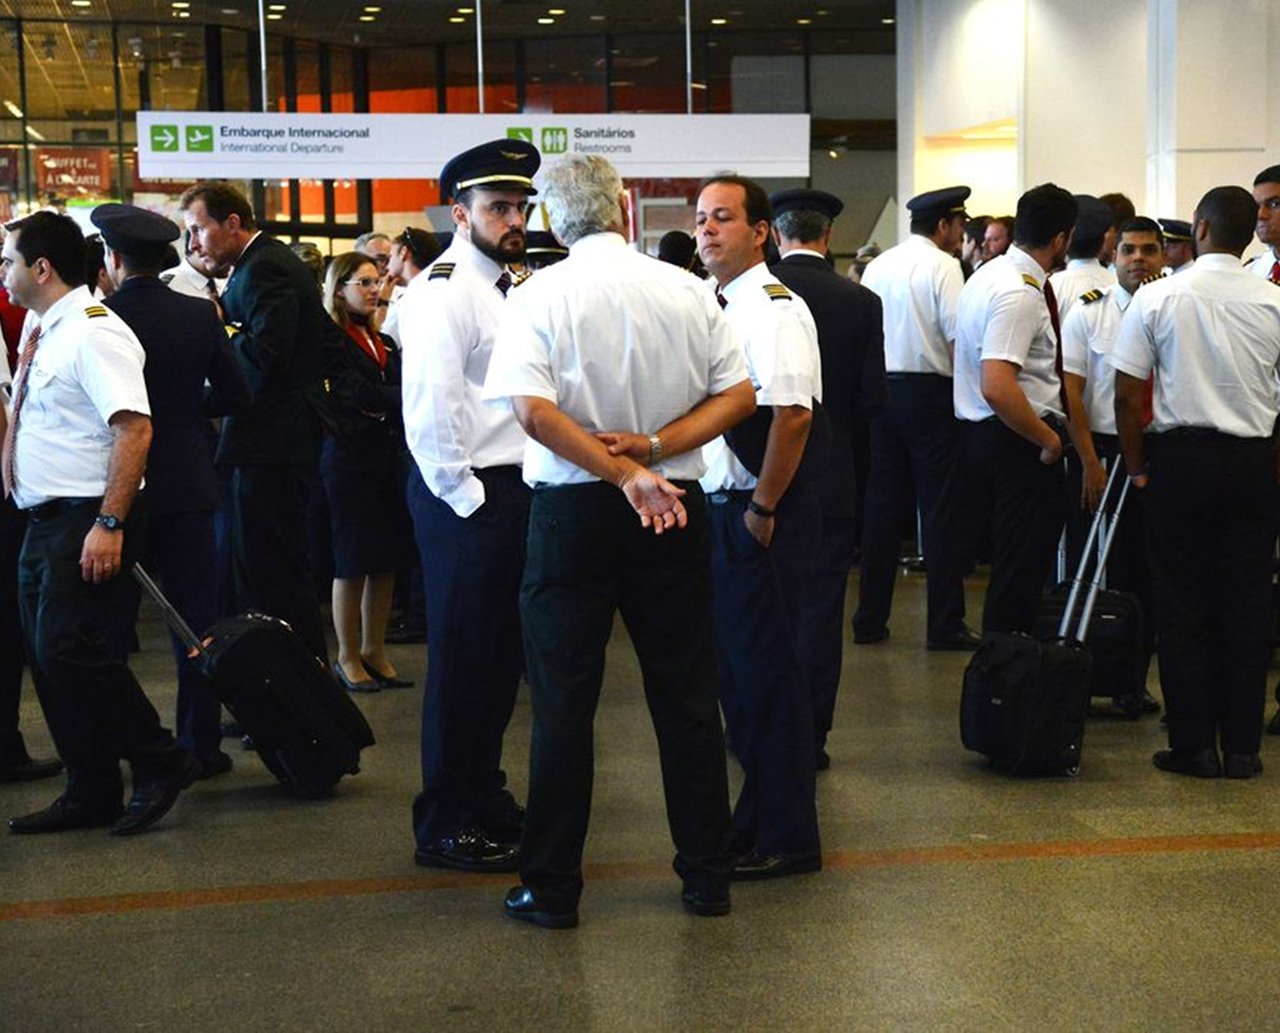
(1104, 550)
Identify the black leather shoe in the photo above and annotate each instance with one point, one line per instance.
(963, 641)
(503, 824)
(469, 851)
(365, 685)
(523, 905)
(63, 815)
(755, 865)
(822, 759)
(1241, 765)
(212, 767)
(706, 903)
(870, 637)
(153, 798)
(1197, 763)
(27, 769)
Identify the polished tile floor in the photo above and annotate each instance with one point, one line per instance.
(953, 898)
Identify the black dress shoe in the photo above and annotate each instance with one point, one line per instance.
(964, 641)
(1197, 763)
(822, 759)
(523, 905)
(63, 815)
(27, 769)
(213, 766)
(365, 685)
(384, 681)
(755, 865)
(469, 851)
(153, 798)
(870, 637)
(504, 823)
(706, 903)
(1241, 765)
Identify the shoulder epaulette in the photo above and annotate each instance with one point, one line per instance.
(1089, 297)
(520, 277)
(1030, 281)
(777, 292)
(95, 311)
(441, 271)
(1154, 277)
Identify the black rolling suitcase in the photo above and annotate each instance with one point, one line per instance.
(1024, 700)
(305, 728)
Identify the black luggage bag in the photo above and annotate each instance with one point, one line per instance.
(305, 728)
(1024, 700)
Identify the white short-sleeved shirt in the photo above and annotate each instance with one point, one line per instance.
(1212, 338)
(448, 316)
(1003, 315)
(919, 287)
(1262, 264)
(619, 342)
(87, 368)
(1088, 335)
(1079, 277)
(188, 280)
(780, 340)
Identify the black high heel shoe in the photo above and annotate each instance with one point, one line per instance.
(369, 685)
(384, 681)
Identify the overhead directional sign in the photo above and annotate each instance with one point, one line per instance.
(248, 145)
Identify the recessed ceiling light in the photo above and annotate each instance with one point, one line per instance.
(888, 21)
(81, 3)
(372, 10)
(546, 21)
(719, 21)
(458, 21)
(274, 17)
(184, 14)
(35, 133)
(368, 18)
(556, 10)
(804, 21)
(13, 109)
(466, 10)
(230, 10)
(180, 5)
(276, 7)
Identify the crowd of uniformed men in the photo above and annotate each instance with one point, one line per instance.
(615, 435)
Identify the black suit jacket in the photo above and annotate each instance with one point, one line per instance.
(375, 391)
(272, 300)
(186, 345)
(850, 325)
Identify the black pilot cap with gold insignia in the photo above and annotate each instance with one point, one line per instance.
(802, 199)
(133, 230)
(938, 204)
(497, 165)
(1175, 230)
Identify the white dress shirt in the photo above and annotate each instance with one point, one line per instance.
(780, 340)
(1088, 336)
(190, 281)
(87, 368)
(1079, 277)
(919, 286)
(1003, 315)
(619, 342)
(1212, 337)
(447, 326)
(1262, 264)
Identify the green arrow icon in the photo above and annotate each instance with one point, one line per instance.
(164, 138)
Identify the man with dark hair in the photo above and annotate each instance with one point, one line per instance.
(1205, 471)
(470, 509)
(1266, 192)
(998, 237)
(186, 347)
(765, 521)
(411, 253)
(915, 444)
(1093, 237)
(75, 446)
(273, 449)
(1008, 389)
(975, 229)
(618, 525)
(851, 343)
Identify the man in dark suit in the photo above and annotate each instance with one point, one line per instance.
(185, 346)
(273, 449)
(851, 341)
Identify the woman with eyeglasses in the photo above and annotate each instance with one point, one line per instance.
(363, 482)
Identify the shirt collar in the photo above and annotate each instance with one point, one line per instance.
(1024, 263)
(1122, 297)
(1083, 263)
(1218, 260)
(78, 298)
(465, 253)
(743, 282)
(597, 242)
(804, 251)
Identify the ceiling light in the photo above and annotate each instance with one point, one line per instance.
(184, 14)
(597, 17)
(466, 10)
(372, 10)
(180, 5)
(277, 7)
(458, 21)
(719, 21)
(230, 10)
(546, 21)
(13, 109)
(556, 10)
(368, 17)
(887, 21)
(274, 17)
(81, 3)
(34, 133)
(804, 21)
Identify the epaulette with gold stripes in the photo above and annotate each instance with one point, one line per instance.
(1089, 297)
(95, 311)
(1154, 277)
(441, 271)
(1030, 281)
(777, 292)
(520, 277)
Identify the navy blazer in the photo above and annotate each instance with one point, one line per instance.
(186, 346)
(850, 321)
(273, 301)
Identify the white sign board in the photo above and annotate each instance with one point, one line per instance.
(247, 145)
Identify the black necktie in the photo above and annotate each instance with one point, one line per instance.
(1051, 299)
(724, 302)
(504, 282)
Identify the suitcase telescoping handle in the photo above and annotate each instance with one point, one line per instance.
(171, 616)
(1104, 550)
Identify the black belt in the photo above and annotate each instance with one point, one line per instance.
(915, 376)
(727, 495)
(56, 507)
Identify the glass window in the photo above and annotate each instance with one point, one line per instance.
(161, 68)
(565, 75)
(647, 73)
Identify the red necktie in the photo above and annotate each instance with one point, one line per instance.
(19, 396)
(1051, 300)
(1275, 272)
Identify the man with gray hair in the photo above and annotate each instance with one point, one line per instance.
(619, 368)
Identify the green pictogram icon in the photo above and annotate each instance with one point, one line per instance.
(164, 138)
(555, 140)
(199, 138)
(520, 133)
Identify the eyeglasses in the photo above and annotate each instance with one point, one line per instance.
(367, 282)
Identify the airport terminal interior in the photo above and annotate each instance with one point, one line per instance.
(952, 897)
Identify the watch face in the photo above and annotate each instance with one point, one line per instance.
(111, 523)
